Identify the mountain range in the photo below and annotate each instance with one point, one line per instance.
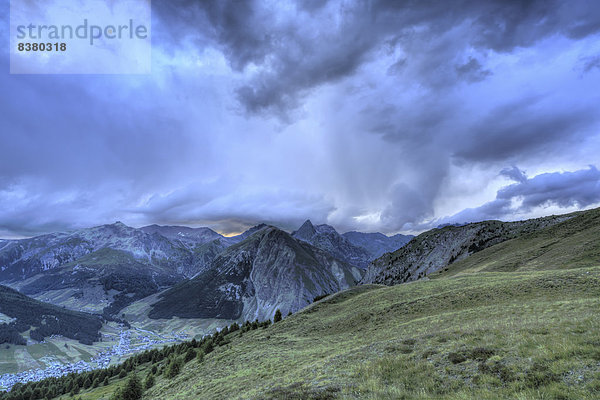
(106, 268)
(355, 248)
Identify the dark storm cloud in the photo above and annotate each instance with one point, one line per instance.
(326, 43)
(526, 125)
(567, 189)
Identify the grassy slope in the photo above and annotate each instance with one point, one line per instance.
(522, 335)
(570, 244)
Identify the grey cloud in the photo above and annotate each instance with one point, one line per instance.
(407, 204)
(589, 63)
(579, 188)
(564, 189)
(33, 138)
(472, 71)
(229, 206)
(525, 125)
(514, 173)
(292, 59)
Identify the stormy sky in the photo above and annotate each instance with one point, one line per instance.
(391, 116)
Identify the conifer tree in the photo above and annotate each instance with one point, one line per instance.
(173, 368)
(149, 381)
(133, 388)
(190, 355)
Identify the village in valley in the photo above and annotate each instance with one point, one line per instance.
(127, 342)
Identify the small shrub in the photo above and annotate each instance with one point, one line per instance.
(456, 358)
(496, 367)
(539, 375)
(428, 353)
(481, 353)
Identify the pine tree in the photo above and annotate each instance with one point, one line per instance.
(173, 368)
(149, 381)
(133, 388)
(190, 355)
(207, 347)
(277, 316)
(87, 383)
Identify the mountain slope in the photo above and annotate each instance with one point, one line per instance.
(107, 266)
(114, 275)
(328, 239)
(570, 244)
(436, 249)
(204, 243)
(490, 336)
(45, 319)
(529, 332)
(266, 271)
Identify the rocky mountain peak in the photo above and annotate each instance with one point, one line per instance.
(306, 231)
